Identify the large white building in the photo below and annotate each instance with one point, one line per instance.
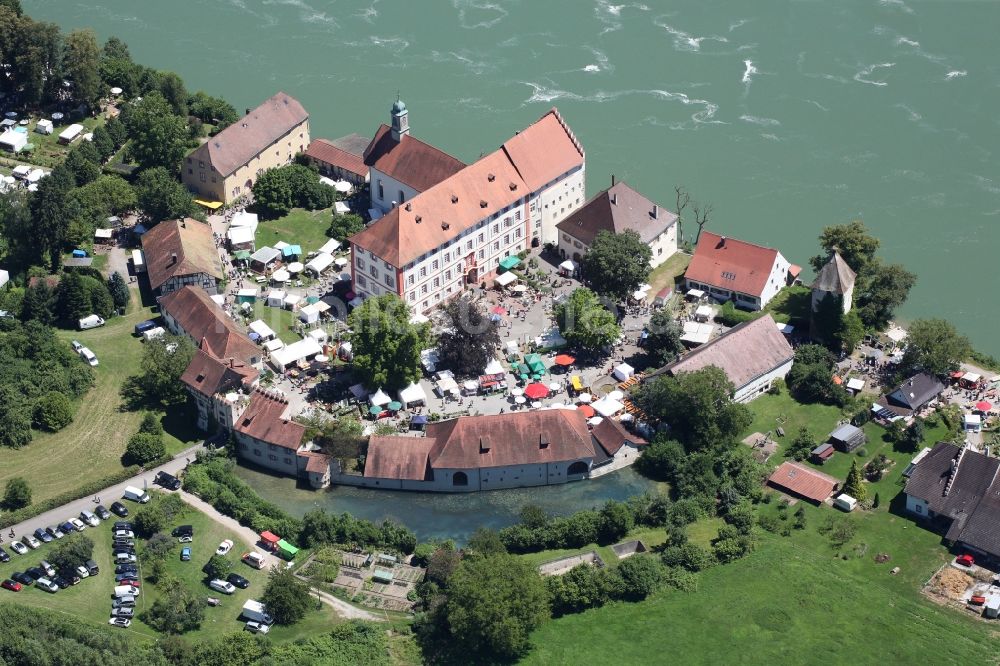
(429, 247)
(726, 269)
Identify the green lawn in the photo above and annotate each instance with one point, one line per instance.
(300, 227)
(91, 599)
(280, 320)
(666, 273)
(651, 537)
(781, 411)
(48, 151)
(792, 304)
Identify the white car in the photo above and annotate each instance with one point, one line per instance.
(187, 538)
(222, 586)
(47, 568)
(122, 622)
(124, 558)
(47, 585)
(124, 534)
(18, 547)
(77, 524)
(82, 571)
(257, 627)
(224, 547)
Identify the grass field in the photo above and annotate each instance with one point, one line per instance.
(93, 444)
(300, 227)
(91, 599)
(665, 274)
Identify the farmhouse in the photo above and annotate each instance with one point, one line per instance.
(847, 437)
(179, 253)
(752, 354)
(802, 481)
(728, 269)
(909, 397)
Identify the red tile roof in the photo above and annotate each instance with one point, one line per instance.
(618, 209)
(731, 264)
(398, 457)
(209, 375)
(205, 322)
(410, 160)
(803, 481)
(239, 143)
(264, 419)
(192, 243)
(611, 435)
(322, 150)
(316, 463)
(544, 150)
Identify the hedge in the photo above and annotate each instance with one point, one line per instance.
(92, 488)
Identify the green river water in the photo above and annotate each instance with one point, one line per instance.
(785, 115)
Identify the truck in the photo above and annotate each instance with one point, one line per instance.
(254, 610)
(136, 494)
(90, 321)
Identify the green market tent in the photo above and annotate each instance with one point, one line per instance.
(535, 363)
(395, 406)
(287, 548)
(374, 410)
(510, 262)
(290, 250)
(242, 255)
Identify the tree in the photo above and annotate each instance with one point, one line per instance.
(386, 345)
(533, 516)
(616, 264)
(701, 214)
(731, 544)
(39, 303)
(286, 598)
(470, 339)
(53, 412)
(827, 320)
(15, 419)
(682, 199)
(173, 90)
(582, 587)
(17, 494)
(885, 288)
(106, 196)
(158, 546)
(697, 405)
(854, 485)
(344, 226)
(158, 382)
(913, 436)
(934, 346)
(118, 290)
(100, 299)
(161, 196)
(442, 564)
(149, 520)
(341, 438)
(84, 162)
(82, 66)
(636, 578)
(494, 603)
(144, 448)
(811, 377)
(616, 519)
(218, 566)
(214, 110)
(664, 339)
(150, 424)
(158, 135)
(585, 322)
(852, 331)
(73, 301)
(273, 193)
(802, 445)
(102, 141)
(50, 213)
(279, 190)
(485, 541)
(71, 552)
(856, 246)
(176, 609)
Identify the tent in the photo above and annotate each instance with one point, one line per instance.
(265, 256)
(329, 247)
(276, 298)
(13, 141)
(535, 363)
(607, 406)
(319, 263)
(269, 539)
(287, 549)
(493, 368)
(419, 318)
(319, 335)
(447, 385)
(505, 280)
(565, 360)
(329, 182)
(695, 333)
(309, 314)
(343, 186)
(341, 208)
(246, 296)
(280, 275)
(244, 219)
(379, 398)
(103, 235)
(273, 345)
(69, 134)
(302, 350)
(536, 391)
(291, 251)
(291, 301)
(695, 294)
(413, 394)
(295, 267)
(4, 277)
(242, 255)
(510, 262)
(623, 371)
(568, 266)
(263, 330)
(240, 237)
(704, 313)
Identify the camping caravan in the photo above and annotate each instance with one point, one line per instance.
(845, 503)
(992, 608)
(44, 126)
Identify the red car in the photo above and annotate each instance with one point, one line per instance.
(11, 585)
(964, 560)
(134, 582)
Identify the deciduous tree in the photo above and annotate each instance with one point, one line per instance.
(53, 412)
(616, 264)
(935, 346)
(82, 66)
(470, 339)
(886, 287)
(17, 494)
(158, 135)
(386, 345)
(585, 322)
(158, 382)
(856, 246)
(71, 552)
(344, 226)
(144, 448)
(664, 336)
(176, 609)
(161, 196)
(286, 598)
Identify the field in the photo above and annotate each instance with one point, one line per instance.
(665, 274)
(91, 599)
(300, 227)
(93, 444)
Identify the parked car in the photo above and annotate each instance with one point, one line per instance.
(102, 512)
(30, 541)
(71, 576)
(18, 547)
(126, 568)
(89, 518)
(55, 532)
(254, 559)
(185, 554)
(121, 541)
(43, 536)
(965, 560)
(82, 572)
(4, 555)
(67, 528)
(133, 581)
(61, 582)
(257, 627)
(89, 357)
(123, 525)
(123, 611)
(125, 557)
(127, 601)
(77, 346)
(187, 538)
(122, 622)
(77, 524)
(124, 534)
(10, 584)
(47, 568)
(224, 547)
(168, 481)
(44, 583)
(238, 580)
(182, 530)
(222, 586)
(119, 509)
(35, 572)
(23, 578)
(122, 548)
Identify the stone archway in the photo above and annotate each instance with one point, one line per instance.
(460, 479)
(579, 467)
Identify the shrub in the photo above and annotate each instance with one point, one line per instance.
(53, 412)
(17, 494)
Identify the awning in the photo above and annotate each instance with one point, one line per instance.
(536, 391)
(587, 410)
(695, 293)
(576, 383)
(567, 265)
(505, 279)
(413, 394)
(510, 262)
(607, 407)
(564, 360)
(379, 398)
(290, 250)
(211, 205)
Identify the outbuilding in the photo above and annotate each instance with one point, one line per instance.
(276, 298)
(71, 133)
(822, 453)
(309, 314)
(847, 437)
(845, 502)
(44, 126)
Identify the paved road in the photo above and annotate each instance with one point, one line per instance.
(107, 496)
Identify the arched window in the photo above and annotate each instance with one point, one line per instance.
(460, 479)
(579, 467)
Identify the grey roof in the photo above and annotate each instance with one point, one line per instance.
(915, 392)
(352, 143)
(265, 255)
(975, 474)
(835, 277)
(618, 209)
(846, 433)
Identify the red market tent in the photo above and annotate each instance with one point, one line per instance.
(500, 310)
(984, 406)
(565, 359)
(536, 391)
(587, 410)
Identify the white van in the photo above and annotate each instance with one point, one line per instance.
(91, 321)
(136, 494)
(222, 586)
(126, 590)
(88, 356)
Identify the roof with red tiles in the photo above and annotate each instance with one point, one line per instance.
(205, 322)
(410, 160)
(618, 209)
(209, 375)
(265, 419)
(803, 481)
(731, 264)
(612, 436)
(180, 247)
(324, 151)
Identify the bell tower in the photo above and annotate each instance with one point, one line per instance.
(400, 120)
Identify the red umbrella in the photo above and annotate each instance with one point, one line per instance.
(536, 391)
(565, 359)
(500, 310)
(984, 406)
(587, 410)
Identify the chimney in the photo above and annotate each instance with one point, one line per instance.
(418, 219)
(454, 198)
(656, 212)
(722, 241)
(247, 113)
(408, 206)
(490, 177)
(614, 199)
(482, 203)
(612, 180)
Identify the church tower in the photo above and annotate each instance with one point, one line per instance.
(400, 120)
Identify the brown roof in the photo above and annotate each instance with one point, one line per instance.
(316, 463)
(192, 243)
(611, 435)
(209, 375)
(410, 160)
(441, 213)
(803, 481)
(836, 276)
(544, 150)
(731, 264)
(206, 323)
(398, 457)
(618, 209)
(324, 151)
(239, 143)
(264, 419)
(744, 352)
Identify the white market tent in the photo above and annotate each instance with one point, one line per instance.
(787, 329)
(297, 351)
(280, 275)
(329, 182)
(343, 186)
(413, 394)
(704, 313)
(21, 171)
(972, 377)
(244, 219)
(568, 265)
(280, 245)
(623, 371)
(447, 385)
(505, 279)
(494, 368)
(319, 335)
(276, 298)
(309, 314)
(379, 398)
(896, 334)
(240, 235)
(639, 295)
(247, 293)
(607, 407)
(291, 301)
(695, 333)
(4, 277)
(36, 175)
(219, 299)
(341, 262)
(265, 255)
(341, 208)
(13, 141)
(263, 330)
(330, 246)
(319, 263)
(295, 267)
(695, 293)
(418, 318)
(103, 234)
(855, 384)
(973, 422)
